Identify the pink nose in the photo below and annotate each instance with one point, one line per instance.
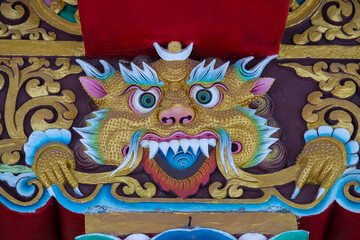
(177, 114)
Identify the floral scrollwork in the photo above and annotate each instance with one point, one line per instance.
(133, 186)
(346, 191)
(339, 79)
(48, 105)
(18, 20)
(335, 19)
(341, 113)
(232, 189)
(342, 81)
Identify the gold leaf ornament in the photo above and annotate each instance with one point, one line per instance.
(339, 79)
(342, 81)
(16, 11)
(54, 108)
(335, 19)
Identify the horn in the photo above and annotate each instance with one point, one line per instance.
(170, 56)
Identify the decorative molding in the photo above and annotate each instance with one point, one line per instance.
(319, 52)
(41, 48)
(77, 49)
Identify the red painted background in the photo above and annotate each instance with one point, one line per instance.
(226, 29)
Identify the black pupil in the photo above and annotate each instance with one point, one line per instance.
(147, 100)
(204, 96)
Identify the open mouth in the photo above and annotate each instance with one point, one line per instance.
(180, 144)
(180, 159)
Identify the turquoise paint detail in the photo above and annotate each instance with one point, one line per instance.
(133, 150)
(14, 169)
(105, 199)
(96, 236)
(225, 143)
(292, 235)
(24, 188)
(181, 160)
(352, 146)
(197, 233)
(90, 136)
(39, 138)
(68, 13)
(265, 139)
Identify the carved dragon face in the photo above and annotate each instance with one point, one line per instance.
(178, 117)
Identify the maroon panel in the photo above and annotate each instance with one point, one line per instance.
(226, 29)
(318, 224)
(70, 224)
(344, 225)
(29, 226)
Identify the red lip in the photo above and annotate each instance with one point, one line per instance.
(179, 136)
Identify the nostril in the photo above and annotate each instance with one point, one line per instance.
(168, 121)
(186, 119)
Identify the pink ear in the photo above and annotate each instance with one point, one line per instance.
(262, 86)
(93, 87)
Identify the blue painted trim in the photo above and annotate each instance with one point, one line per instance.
(195, 233)
(104, 198)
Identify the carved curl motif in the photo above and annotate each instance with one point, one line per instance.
(335, 19)
(46, 102)
(19, 20)
(342, 82)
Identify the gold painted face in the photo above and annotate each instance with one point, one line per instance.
(180, 119)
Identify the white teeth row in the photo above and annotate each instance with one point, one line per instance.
(175, 145)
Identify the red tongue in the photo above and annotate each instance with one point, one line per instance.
(181, 187)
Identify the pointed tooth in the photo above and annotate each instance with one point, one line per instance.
(204, 146)
(194, 144)
(164, 147)
(212, 142)
(184, 143)
(154, 148)
(174, 144)
(144, 143)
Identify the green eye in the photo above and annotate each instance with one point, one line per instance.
(203, 96)
(147, 100)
